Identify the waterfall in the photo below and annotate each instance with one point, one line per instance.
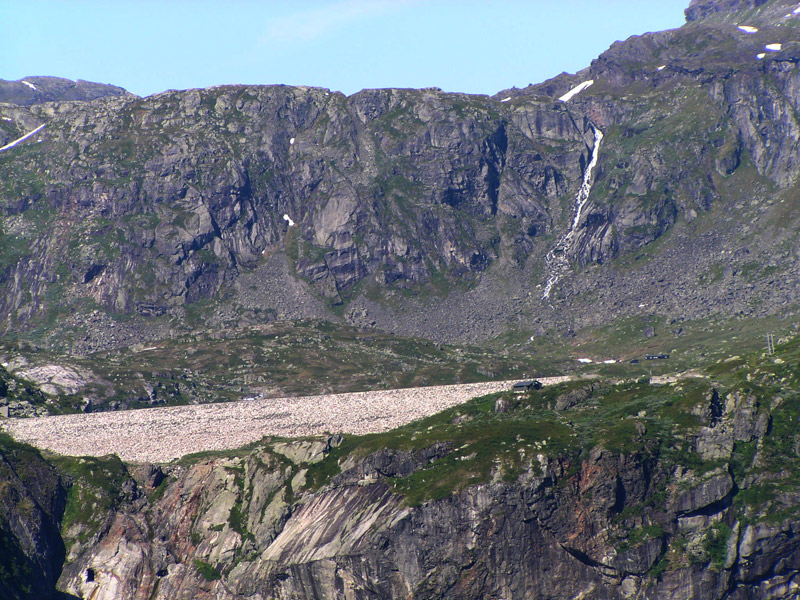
(556, 260)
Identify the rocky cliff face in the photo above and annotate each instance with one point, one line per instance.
(699, 9)
(397, 186)
(32, 501)
(37, 90)
(222, 200)
(598, 491)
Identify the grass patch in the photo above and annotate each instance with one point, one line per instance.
(207, 571)
(98, 488)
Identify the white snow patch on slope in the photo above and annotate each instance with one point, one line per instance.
(661, 68)
(291, 142)
(506, 99)
(30, 85)
(576, 90)
(288, 219)
(773, 47)
(22, 139)
(585, 360)
(760, 56)
(796, 11)
(747, 28)
(7, 119)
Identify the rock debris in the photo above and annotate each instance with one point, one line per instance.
(164, 434)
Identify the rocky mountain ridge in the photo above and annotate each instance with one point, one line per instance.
(209, 215)
(39, 89)
(410, 206)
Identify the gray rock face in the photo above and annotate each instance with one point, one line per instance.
(32, 500)
(146, 206)
(553, 533)
(699, 9)
(54, 89)
(392, 185)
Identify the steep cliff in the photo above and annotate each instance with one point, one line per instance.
(595, 490)
(193, 220)
(261, 203)
(32, 501)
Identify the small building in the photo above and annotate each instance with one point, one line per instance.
(657, 356)
(525, 386)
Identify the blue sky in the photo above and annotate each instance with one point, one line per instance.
(469, 46)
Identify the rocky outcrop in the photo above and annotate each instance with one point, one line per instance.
(36, 90)
(604, 490)
(347, 171)
(699, 9)
(152, 207)
(32, 499)
(249, 528)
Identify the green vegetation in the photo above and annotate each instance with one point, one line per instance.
(473, 444)
(98, 487)
(207, 571)
(716, 545)
(298, 358)
(479, 441)
(16, 568)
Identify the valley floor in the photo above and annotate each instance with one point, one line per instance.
(164, 434)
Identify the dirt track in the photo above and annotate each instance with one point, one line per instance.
(163, 434)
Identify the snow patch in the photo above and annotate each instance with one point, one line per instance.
(291, 141)
(22, 139)
(7, 119)
(576, 90)
(773, 47)
(506, 99)
(760, 56)
(661, 68)
(585, 361)
(30, 85)
(796, 11)
(288, 219)
(747, 28)
(610, 361)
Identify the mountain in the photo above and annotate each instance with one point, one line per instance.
(411, 206)
(37, 90)
(196, 245)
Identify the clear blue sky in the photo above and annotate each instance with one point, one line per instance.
(475, 46)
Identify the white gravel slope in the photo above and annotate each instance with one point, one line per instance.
(163, 434)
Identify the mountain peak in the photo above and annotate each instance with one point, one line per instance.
(37, 89)
(699, 9)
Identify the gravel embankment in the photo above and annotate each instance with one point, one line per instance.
(163, 434)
